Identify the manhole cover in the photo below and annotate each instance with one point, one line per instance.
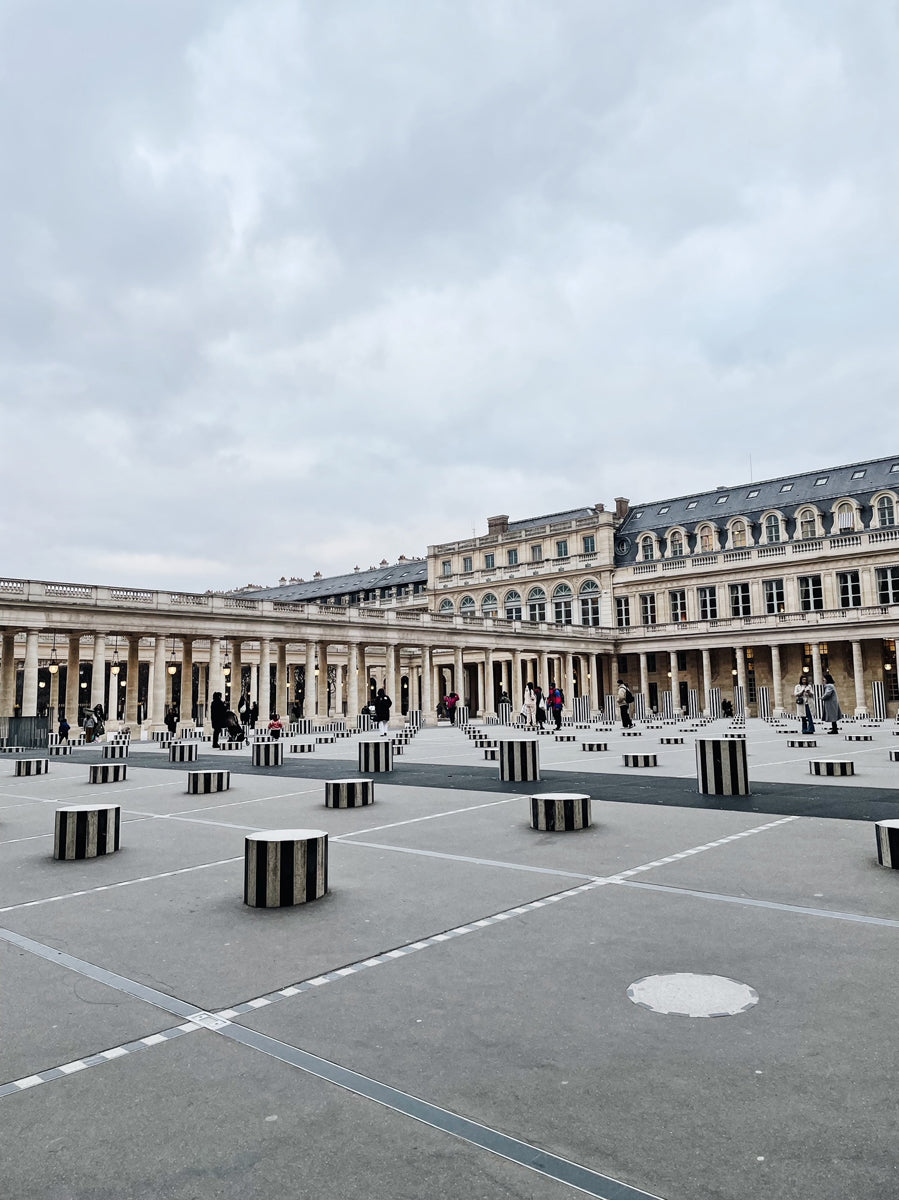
(688, 995)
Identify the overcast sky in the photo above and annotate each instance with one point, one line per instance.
(288, 287)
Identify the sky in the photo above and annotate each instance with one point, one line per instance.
(290, 287)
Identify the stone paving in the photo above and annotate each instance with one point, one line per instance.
(476, 1009)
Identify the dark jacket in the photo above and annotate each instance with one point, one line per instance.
(218, 714)
(383, 705)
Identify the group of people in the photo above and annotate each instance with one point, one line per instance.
(804, 694)
(537, 705)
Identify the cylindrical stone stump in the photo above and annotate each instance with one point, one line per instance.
(887, 843)
(491, 753)
(631, 733)
(894, 756)
(302, 748)
(114, 772)
(349, 793)
(595, 747)
(485, 743)
(268, 754)
(640, 760)
(722, 767)
(832, 766)
(558, 812)
(284, 867)
(115, 750)
(62, 748)
(375, 757)
(325, 739)
(858, 737)
(801, 743)
(671, 741)
(32, 766)
(158, 735)
(230, 745)
(566, 737)
(519, 762)
(199, 783)
(86, 830)
(183, 752)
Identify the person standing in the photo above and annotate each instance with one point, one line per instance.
(529, 706)
(541, 706)
(383, 704)
(171, 719)
(63, 730)
(802, 694)
(556, 700)
(253, 714)
(451, 701)
(218, 717)
(830, 704)
(625, 700)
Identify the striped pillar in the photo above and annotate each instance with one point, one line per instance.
(610, 709)
(183, 752)
(200, 783)
(715, 703)
(763, 699)
(284, 867)
(349, 793)
(86, 831)
(831, 766)
(115, 749)
(558, 812)
(887, 843)
(667, 705)
(519, 761)
(302, 748)
(739, 700)
(504, 712)
(879, 701)
(693, 703)
(32, 766)
(640, 760)
(268, 754)
(375, 757)
(722, 767)
(581, 708)
(639, 706)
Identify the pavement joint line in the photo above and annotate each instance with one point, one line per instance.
(452, 812)
(249, 800)
(750, 902)
(108, 887)
(142, 816)
(731, 837)
(481, 862)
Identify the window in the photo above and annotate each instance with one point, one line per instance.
(590, 603)
(705, 539)
(845, 518)
(739, 600)
(646, 549)
(648, 608)
(886, 511)
(513, 606)
(490, 605)
(821, 480)
(589, 544)
(562, 604)
(562, 549)
(489, 562)
(447, 568)
(466, 565)
(808, 525)
(651, 664)
(811, 595)
(446, 606)
(537, 604)
(894, 467)
(888, 585)
(664, 509)
(738, 535)
(623, 608)
(536, 554)
(751, 495)
(722, 500)
(676, 546)
(692, 504)
(857, 475)
(512, 558)
(850, 589)
(467, 606)
(682, 660)
(774, 595)
(772, 528)
(786, 487)
(708, 603)
(678, 605)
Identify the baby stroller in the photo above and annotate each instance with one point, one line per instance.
(234, 727)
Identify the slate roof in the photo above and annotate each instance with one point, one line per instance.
(409, 572)
(574, 514)
(786, 493)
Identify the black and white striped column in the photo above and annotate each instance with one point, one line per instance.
(640, 760)
(763, 700)
(879, 705)
(86, 831)
(32, 766)
(831, 766)
(200, 783)
(596, 747)
(62, 748)
(715, 703)
(115, 750)
(183, 752)
(558, 812)
(268, 754)
(519, 761)
(887, 843)
(301, 748)
(284, 867)
(349, 793)
(375, 757)
(722, 767)
(580, 708)
(112, 772)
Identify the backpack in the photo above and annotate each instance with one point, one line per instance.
(628, 695)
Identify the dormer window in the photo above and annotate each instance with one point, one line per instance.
(647, 549)
(886, 511)
(772, 528)
(738, 535)
(705, 539)
(676, 546)
(846, 517)
(808, 523)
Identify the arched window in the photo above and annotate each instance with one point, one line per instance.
(589, 594)
(647, 549)
(446, 606)
(886, 511)
(537, 604)
(738, 535)
(808, 525)
(467, 606)
(513, 606)
(490, 605)
(845, 518)
(676, 545)
(706, 544)
(772, 528)
(562, 600)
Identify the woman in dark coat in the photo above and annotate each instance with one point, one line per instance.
(830, 704)
(383, 704)
(218, 716)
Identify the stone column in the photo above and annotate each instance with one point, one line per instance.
(309, 693)
(339, 684)
(594, 684)
(459, 675)
(489, 695)
(281, 680)
(54, 694)
(644, 678)
(777, 682)
(543, 669)
(675, 682)
(265, 681)
(741, 678)
(362, 678)
(157, 705)
(236, 675)
(73, 682)
(817, 673)
(390, 678)
(202, 692)
(253, 692)
(569, 681)
(186, 705)
(858, 674)
(8, 675)
(352, 683)
(98, 672)
(706, 681)
(322, 656)
(216, 678)
(29, 685)
(427, 699)
(112, 700)
(516, 691)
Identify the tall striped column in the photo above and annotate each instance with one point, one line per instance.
(763, 699)
(722, 767)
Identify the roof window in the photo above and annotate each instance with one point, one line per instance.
(722, 499)
(786, 487)
(754, 492)
(664, 509)
(857, 475)
(692, 504)
(894, 467)
(822, 479)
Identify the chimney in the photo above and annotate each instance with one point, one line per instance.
(317, 575)
(383, 562)
(622, 507)
(356, 569)
(402, 558)
(600, 507)
(498, 524)
(283, 580)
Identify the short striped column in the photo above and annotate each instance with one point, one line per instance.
(183, 752)
(722, 767)
(160, 735)
(283, 867)
(32, 766)
(62, 748)
(632, 733)
(325, 739)
(462, 715)
(858, 737)
(594, 747)
(887, 843)
(832, 766)
(200, 783)
(640, 760)
(671, 741)
(566, 737)
(519, 761)
(491, 753)
(560, 812)
(268, 754)
(115, 750)
(302, 748)
(112, 772)
(86, 831)
(349, 793)
(230, 745)
(801, 743)
(375, 757)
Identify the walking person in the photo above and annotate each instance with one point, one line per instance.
(556, 700)
(802, 694)
(529, 705)
(253, 714)
(218, 717)
(383, 704)
(830, 704)
(541, 706)
(451, 701)
(625, 700)
(63, 730)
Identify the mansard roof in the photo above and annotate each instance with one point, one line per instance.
(558, 518)
(409, 571)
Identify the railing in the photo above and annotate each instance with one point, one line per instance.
(75, 591)
(772, 621)
(130, 596)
